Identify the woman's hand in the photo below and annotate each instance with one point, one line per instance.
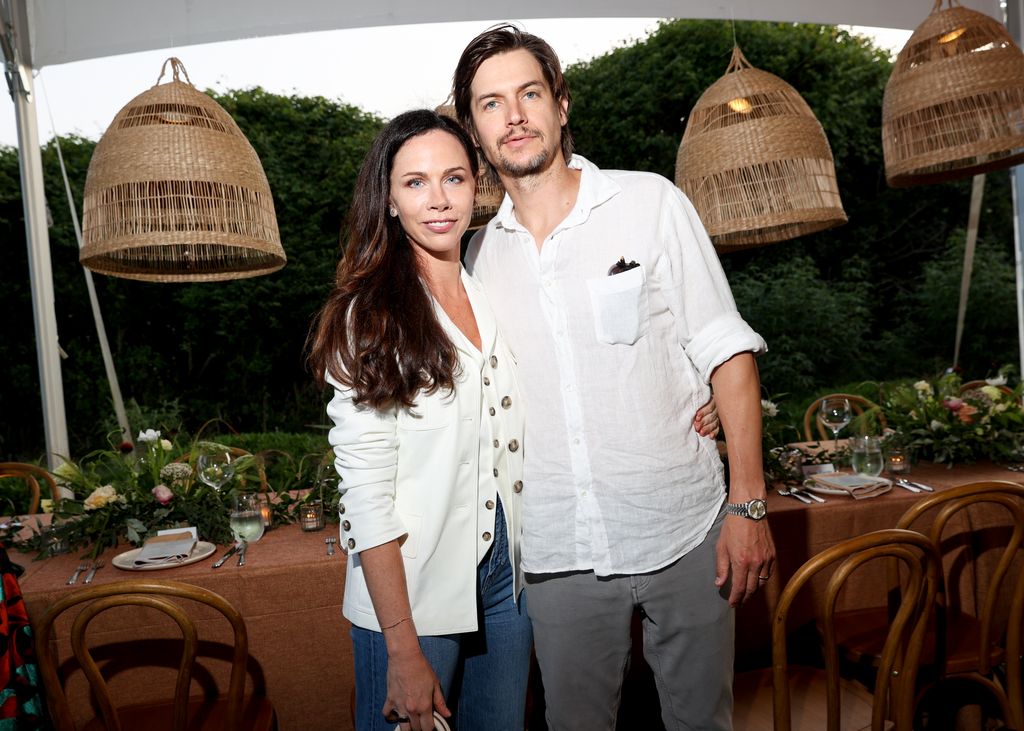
(413, 692)
(706, 419)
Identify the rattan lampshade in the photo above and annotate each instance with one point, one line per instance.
(176, 193)
(755, 162)
(954, 104)
(489, 190)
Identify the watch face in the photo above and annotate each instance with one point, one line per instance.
(757, 509)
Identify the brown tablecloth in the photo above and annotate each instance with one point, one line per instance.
(801, 531)
(289, 593)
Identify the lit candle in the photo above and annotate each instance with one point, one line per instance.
(265, 514)
(311, 516)
(897, 462)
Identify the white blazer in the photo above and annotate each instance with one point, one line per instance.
(428, 477)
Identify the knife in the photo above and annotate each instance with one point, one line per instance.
(924, 487)
(906, 485)
(226, 556)
(241, 554)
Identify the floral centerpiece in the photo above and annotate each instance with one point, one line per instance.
(129, 492)
(935, 421)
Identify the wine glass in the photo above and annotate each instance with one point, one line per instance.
(835, 413)
(245, 518)
(215, 468)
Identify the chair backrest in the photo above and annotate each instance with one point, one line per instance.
(1009, 497)
(31, 474)
(159, 595)
(973, 385)
(897, 672)
(858, 404)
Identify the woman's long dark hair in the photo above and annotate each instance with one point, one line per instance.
(377, 332)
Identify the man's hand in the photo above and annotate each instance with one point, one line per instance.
(705, 421)
(745, 549)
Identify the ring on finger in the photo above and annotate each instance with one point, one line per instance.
(393, 716)
(764, 578)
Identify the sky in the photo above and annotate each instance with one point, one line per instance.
(383, 70)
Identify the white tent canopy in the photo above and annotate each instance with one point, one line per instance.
(40, 33)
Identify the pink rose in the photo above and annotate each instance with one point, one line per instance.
(966, 414)
(952, 403)
(163, 494)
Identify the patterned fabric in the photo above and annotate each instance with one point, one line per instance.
(21, 705)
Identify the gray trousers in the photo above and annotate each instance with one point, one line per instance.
(581, 629)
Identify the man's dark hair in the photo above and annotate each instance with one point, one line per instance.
(503, 39)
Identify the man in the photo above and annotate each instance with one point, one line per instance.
(614, 302)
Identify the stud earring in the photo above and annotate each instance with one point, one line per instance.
(393, 211)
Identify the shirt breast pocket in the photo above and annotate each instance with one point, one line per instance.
(620, 306)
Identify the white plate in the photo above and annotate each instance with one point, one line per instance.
(126, 560)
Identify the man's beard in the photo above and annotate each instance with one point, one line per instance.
(534, 165)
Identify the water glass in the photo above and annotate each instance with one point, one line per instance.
(246, 519)
(866, 455)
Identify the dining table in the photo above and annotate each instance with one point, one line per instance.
(801, 531)
(289, 593)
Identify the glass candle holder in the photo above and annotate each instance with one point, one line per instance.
(311, 515)
(897, 462)
(265, 514)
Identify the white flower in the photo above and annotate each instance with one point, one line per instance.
(923, 388)
(149, 435)
(937, 425)
(769, 409)
(999, 380)
(165, 444)
(101, 497)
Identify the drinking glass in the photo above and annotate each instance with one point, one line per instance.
(215, 469)
(835, 413)
(866, 455)
(245, 518)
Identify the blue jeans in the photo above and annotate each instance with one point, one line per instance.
(483, 674)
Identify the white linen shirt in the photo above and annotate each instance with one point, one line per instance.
(613, 369)
(430, 477)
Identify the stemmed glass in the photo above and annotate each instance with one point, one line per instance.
(835, 413)
(245, 518)
(215, 469)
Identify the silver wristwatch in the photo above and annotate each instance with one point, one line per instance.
(754, 509)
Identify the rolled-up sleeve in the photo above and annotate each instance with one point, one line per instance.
(708, 325)
(365, 444)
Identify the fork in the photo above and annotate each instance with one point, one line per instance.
(84, 566)
(794, 494)
(330, 545)
(92, 572)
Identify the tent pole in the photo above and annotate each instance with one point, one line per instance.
(38, 238)
(1015, 24)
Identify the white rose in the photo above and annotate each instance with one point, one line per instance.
(769, 408)
(923, 388)
(100, 497)
(165, 444)
(937, 425)
(149, 435)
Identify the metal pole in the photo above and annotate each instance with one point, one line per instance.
(19, 75)
(1015, 24)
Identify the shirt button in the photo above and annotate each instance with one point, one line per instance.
(341, 508)
(491, 411)
(506, 402)
(513, 446)
(517, 486)
(351, 542)
(495, 471)
(489, 505)
(494, 361)
(346, 525)
(487, 381)
(496, 444)
(486, 536)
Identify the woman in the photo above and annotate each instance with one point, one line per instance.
(427, 437)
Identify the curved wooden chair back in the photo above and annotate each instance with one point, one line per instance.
(236, 452)
(858, 404)
(897, 675)
(31, 474)
(972, 385)
(158, 595)
(1014, 647)
(977, 666)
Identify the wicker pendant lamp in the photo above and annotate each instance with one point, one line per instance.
(954, 105)
(176, 193)
(755, 162)
(489, 190)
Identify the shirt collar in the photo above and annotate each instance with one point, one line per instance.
(595, 188)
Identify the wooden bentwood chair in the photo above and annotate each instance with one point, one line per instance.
(31, 474)
(858, 404)
(791, 697)
(233, 711)
(959, 644)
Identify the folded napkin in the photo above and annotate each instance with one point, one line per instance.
(166, 548)
(857, 486)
